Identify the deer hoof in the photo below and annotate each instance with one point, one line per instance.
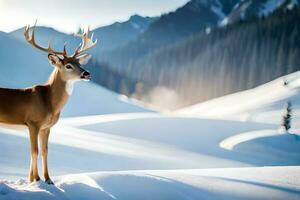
(49, 182)
(36, 179)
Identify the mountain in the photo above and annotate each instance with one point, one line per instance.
(193, 17)
(183, 50)
(170, 28)
(248, 9)
(120, 33)
(18, 63)
(109, 37)
(216, 64)
(43, 34)
(225, 60)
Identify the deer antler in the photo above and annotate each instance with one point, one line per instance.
(31, 40)
(86, 44)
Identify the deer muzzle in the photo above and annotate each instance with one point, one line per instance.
(85, 76)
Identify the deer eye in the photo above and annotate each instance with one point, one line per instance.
(69, 67)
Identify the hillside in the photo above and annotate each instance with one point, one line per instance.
(107, 146)
(193, 17)
(181, 55)
(182, 51)
(206, 65)
(170, 28)
(120, 33)
(110, 37)
(169, 156)
(226, 184)
(248, 9)
(260, 104)
(19, 61)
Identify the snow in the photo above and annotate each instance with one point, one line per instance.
(238, 12)
(270, 6)
(91, 99)
(215, 6)
(224, 22)
(260, 104)
(136, 26)
(292, 4)
(218, 9)
(271, 144)
(260, 183)
(244, 8)
(147, 142)
(231, 142)
(208, 30)
(110, 147)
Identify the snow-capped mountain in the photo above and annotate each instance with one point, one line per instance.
(111, 36)
(172, 27)
(221, 8)
(120, 33)
(44, 34)
(230, 11)
(247, 9)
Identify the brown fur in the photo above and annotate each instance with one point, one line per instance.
(38, 108)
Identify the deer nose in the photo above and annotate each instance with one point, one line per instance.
(85, 75)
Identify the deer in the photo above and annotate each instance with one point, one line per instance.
(39, 107)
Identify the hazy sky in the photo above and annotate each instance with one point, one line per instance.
(68, 15)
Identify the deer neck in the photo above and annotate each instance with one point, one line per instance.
(60, 90)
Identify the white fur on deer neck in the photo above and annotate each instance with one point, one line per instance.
(70, 87)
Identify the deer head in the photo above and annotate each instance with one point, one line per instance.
(68, 66)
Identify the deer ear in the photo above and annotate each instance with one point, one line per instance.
(84, 59)
(54, 59)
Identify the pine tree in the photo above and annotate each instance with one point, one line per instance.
(286, 121)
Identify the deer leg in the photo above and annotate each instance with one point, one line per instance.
(44, 136)
(33, 172)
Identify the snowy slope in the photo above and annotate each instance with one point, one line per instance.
(132, 141)
(146, 141)
(18, 63)
(97, 137)
(248, 183)
(154, 141)
(264, 104)
(92, 99)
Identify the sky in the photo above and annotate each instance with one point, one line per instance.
(69, 15)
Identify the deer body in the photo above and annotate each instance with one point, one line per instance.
(39, 104)
(39, 107)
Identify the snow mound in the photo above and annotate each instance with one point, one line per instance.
(268, 145)
(231, 142)
(139, 141)
(263, 104)
(244, 183)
